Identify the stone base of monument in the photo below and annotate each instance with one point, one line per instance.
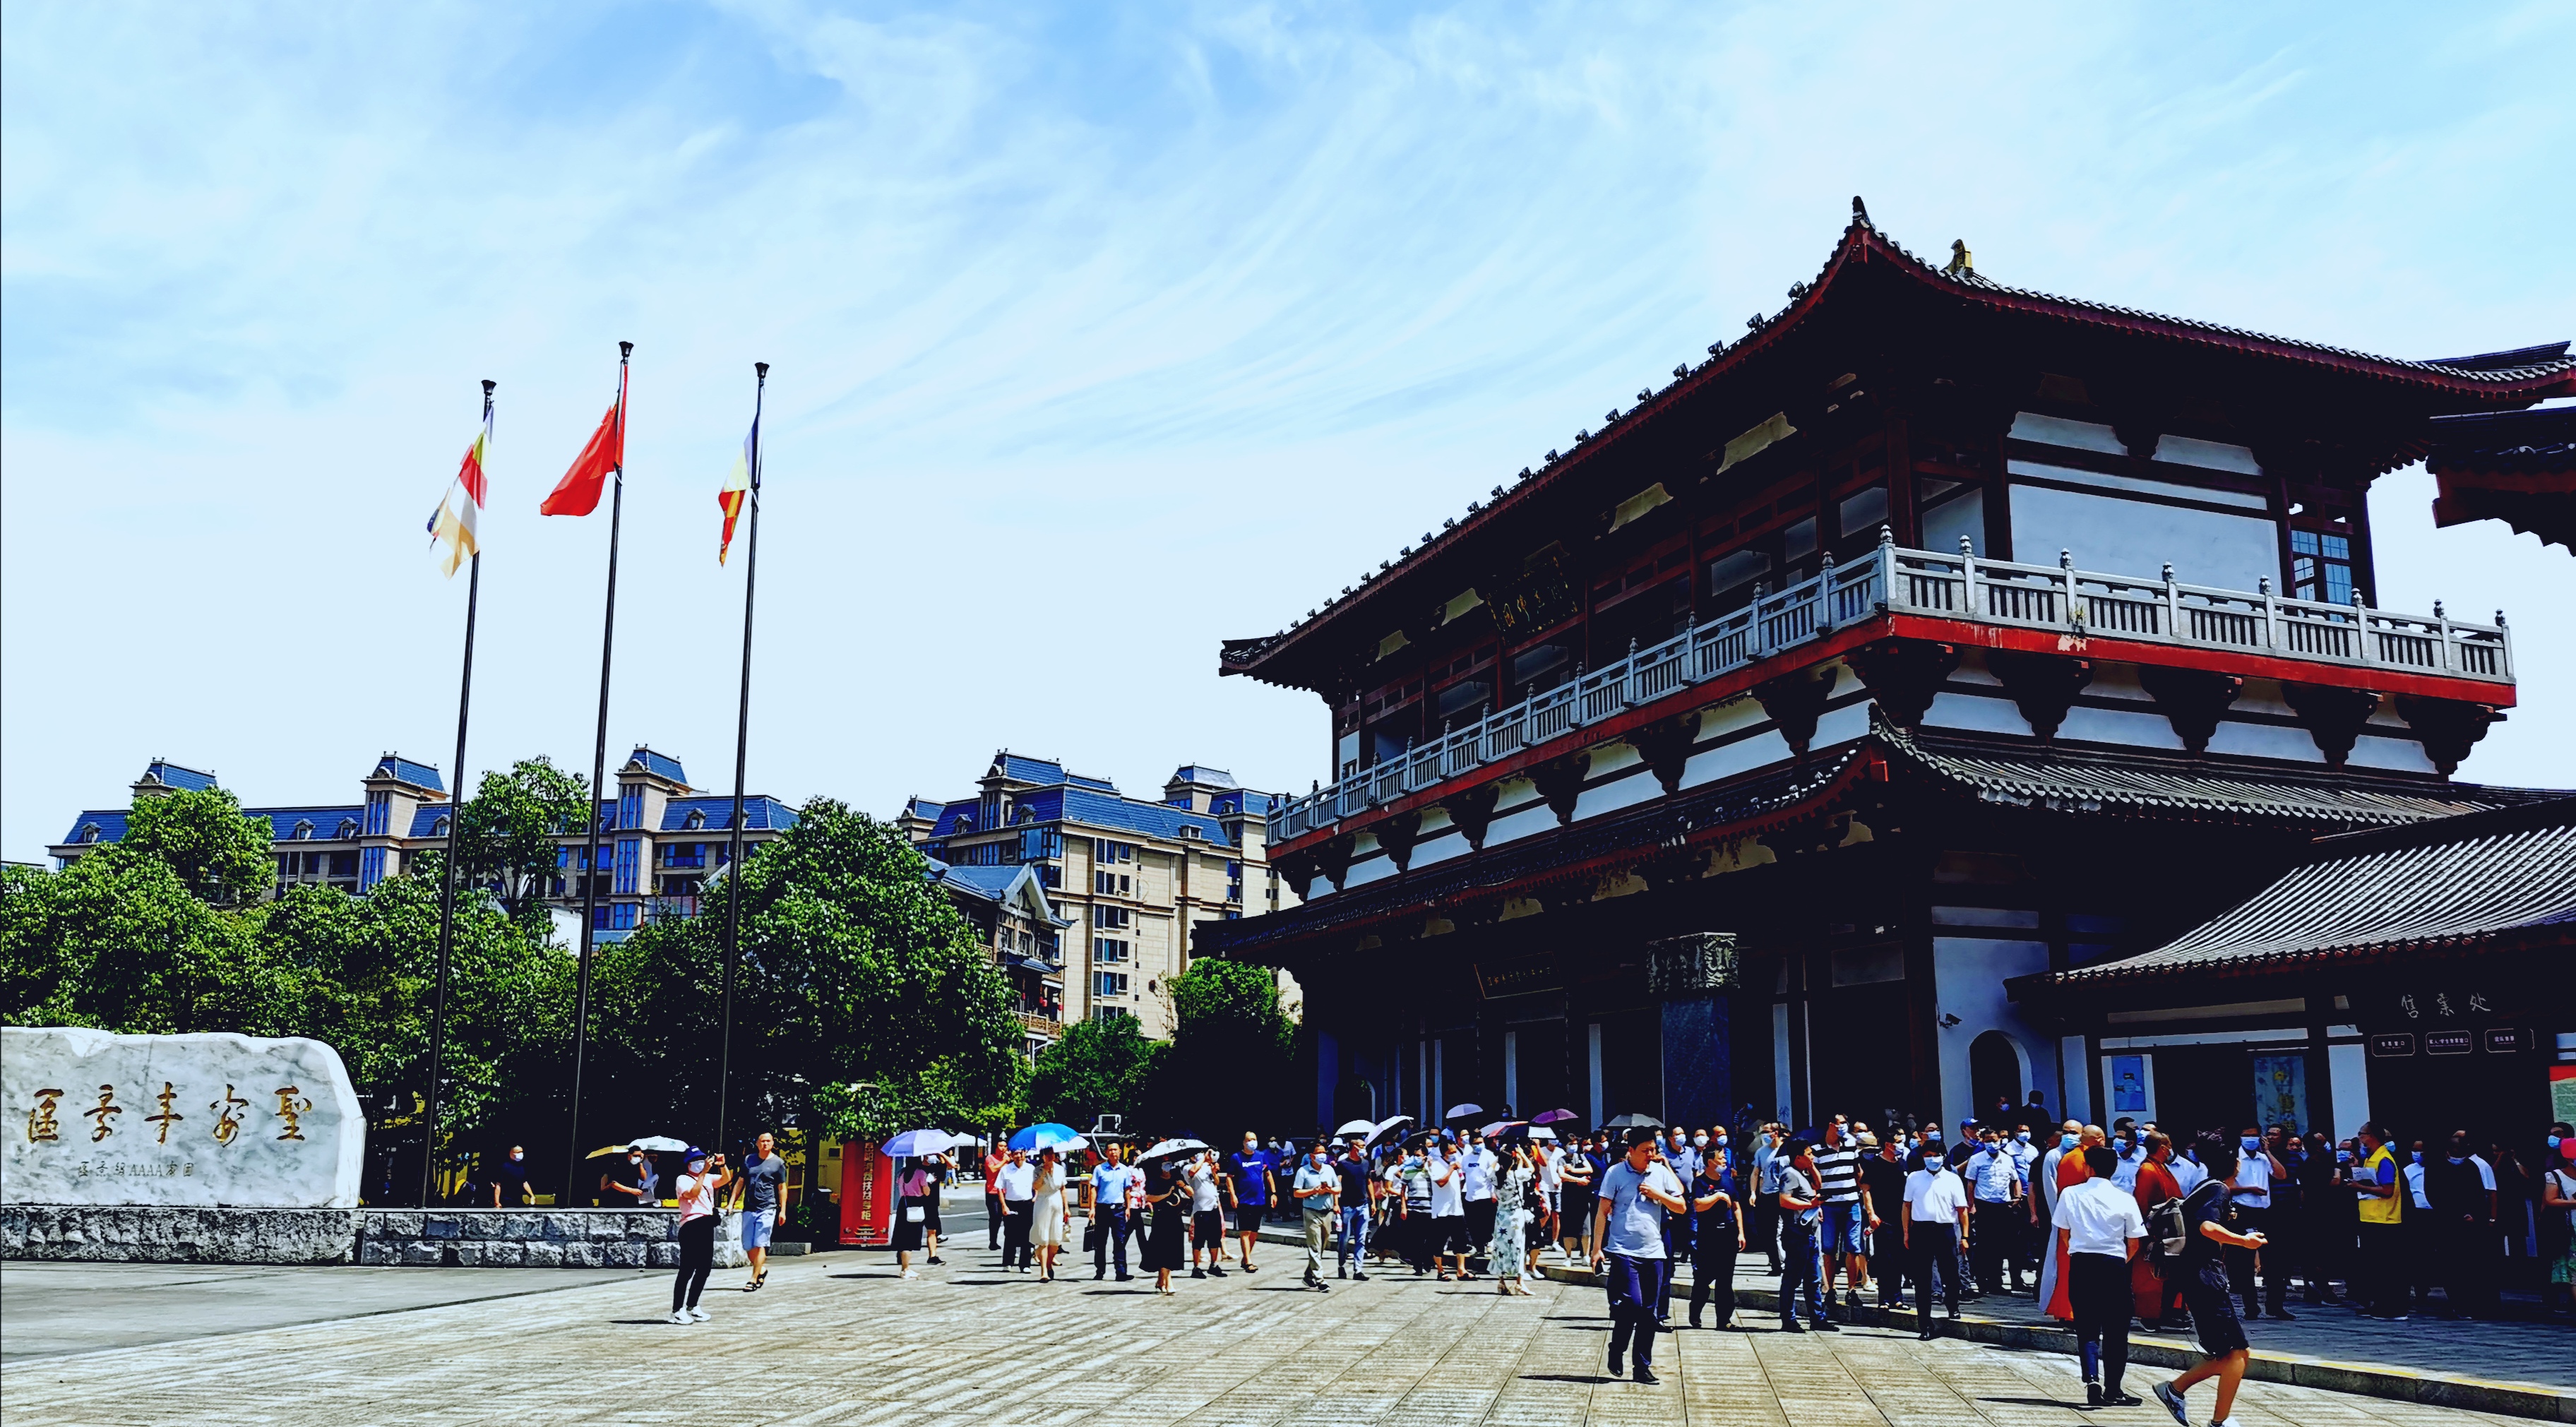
(536, 1238)
(173, 1233)
(434, 1238)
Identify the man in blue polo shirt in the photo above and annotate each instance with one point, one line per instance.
(1628, 1246)
(1248, 1192)
(1110, 1183)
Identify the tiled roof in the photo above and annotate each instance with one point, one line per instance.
(951, 814)
(2144, 783)
(1201, 773)
(1100, 785)
(989, 883)
(1027, 770)
(2540, 372)
(110, 823)
(923, 807)
(760, 813)
(185, 779)
(658, 765)
(326, 821)
(425, 820)
(419, 775)
(2502, 875)
(1081, 805)
(2540, 439)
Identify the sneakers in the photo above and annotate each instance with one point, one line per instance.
(2118, 1399)
(1198, 1273)
(681, 1316)
(909, 1273)
(699, 1315)
(2173, 1402)
(1216, 1270)
(935, 1261)
(1358, 1277)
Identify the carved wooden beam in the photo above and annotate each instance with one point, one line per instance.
(2043, 686)
(2332, 716)
(1333, 856)
(1397, 835)
(1665, 744)
(1795, 701)
(2449, 727)
(1472, 809)
(2192, 700)
(1560, 781)
(1904, 675)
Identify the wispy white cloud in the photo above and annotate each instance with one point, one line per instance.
(1099, 334)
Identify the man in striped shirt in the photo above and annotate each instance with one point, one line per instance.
(1848, 1214)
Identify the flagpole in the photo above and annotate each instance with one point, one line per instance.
(741, 748)
(598, 775)
(447, 870)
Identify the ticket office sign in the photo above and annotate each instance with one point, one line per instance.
(207, 1120)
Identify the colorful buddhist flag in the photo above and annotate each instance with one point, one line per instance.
(453, 526)
(737, 486)
(578, 492)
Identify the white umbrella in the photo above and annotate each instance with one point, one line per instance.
(1357, 1127)
(1460, 1112)
(1385, 1126)
(1182, 1146)
(912, 1143)
(659, 1142)
(1541, 1132)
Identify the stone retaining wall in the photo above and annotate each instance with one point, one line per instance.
(531, 1238)
(158, 1233)
(450, 1238)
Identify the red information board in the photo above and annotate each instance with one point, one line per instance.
(867, 1195)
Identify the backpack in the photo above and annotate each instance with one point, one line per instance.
(2169, 1228)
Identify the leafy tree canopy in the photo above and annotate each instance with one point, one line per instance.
(1227, 1068)
(506, 832)
(862, 1003)
(203, 838)
(1096, 1068)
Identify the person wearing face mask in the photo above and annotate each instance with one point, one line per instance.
(2464, 1233)
(704, 1178)
(1359, 1189)
(2070, 1171)
(2380, 1206)
(2557, 1219)
(1477, 1167)
(1628, 1247)
(1882, 1169)
(628, 1187)
(512, 1179)
(1317, 1190)
(2252, 1200)
(1249, 1187)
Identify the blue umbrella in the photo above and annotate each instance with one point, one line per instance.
(1050, 1134)
(912, 1143)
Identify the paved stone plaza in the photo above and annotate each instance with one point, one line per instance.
(837, 1339)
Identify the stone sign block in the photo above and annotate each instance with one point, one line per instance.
(205, 1120)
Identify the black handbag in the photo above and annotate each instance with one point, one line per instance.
(1091, 1237)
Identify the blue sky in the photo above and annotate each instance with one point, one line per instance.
(1098, 334)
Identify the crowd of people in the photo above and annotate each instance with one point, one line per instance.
(2103, 1228)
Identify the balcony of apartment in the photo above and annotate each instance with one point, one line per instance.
(1956, 597)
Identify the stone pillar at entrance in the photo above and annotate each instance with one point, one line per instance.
(1692, 976)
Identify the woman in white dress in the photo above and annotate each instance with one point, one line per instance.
(1048, 1213)
(1509, 1246)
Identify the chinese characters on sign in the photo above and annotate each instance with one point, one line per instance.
(97, 1118)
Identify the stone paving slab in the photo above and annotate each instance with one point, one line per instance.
(837, 1339)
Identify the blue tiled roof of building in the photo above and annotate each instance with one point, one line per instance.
(1201, 773)
(660, 766)
(186, 779)
(1100, 784)
(989, 883)
(425, 820)
(419, 775)
(110, 823)
(924, 808)
(951, 814)
(1247, 801)
(1027, 770)
(760, 813)
(1080, 805)
(326, 821)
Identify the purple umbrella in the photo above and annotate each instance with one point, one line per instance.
(1552, 1117)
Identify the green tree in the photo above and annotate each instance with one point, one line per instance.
(862, 1002)
(118, 941)
(203, 837)
(1095, 1068)
(506, 832)
(1231, 1051)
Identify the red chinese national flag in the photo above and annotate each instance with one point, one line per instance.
(578, 492)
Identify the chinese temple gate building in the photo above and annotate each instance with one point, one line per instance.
(1749, 757)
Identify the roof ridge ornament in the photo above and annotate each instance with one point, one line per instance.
(1962, 262)
(1860, 213)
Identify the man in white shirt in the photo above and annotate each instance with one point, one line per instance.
(1207, 1217)
(1019, 1182)
(1448, 1209)
(1317, 1188)
(1936, 1224)
(2099, 1226)
(1995, 1183)
(2251, 1197)
(1476, 1169)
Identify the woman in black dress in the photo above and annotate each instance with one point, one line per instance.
(1168, 1192)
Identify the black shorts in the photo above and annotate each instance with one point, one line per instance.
(1247, 1217)
(1207, 1229)
(1449, 1235)
(2213, 1312)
